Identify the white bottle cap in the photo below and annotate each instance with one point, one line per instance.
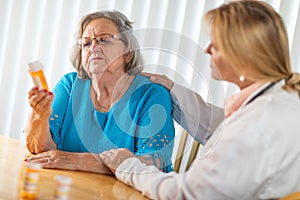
(64, 180)
(34, 166)
(34, 66)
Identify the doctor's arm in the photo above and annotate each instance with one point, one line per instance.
(199, 118)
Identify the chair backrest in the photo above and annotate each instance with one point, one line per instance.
(292, 196)
(186, 151)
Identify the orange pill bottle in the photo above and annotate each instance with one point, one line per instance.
(36, 71)
(30, 181)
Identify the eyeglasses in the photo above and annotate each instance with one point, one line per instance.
(103, 40)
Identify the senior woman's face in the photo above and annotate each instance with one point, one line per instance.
(220, 68)
(101, 50)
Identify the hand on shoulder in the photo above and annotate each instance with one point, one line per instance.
(160, 79)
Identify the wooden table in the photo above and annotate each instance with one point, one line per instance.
(85, 185)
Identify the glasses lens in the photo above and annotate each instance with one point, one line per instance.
(103, 40)
(84, 43)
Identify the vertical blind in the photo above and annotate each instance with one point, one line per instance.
(44, 30)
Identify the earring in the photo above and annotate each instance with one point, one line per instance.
(242, 78)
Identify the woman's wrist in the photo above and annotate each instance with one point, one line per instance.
(39, 116)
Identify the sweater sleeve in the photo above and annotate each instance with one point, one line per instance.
(194, 114)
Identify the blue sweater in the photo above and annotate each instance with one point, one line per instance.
(140, 121)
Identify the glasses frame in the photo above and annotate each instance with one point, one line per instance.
(99, 41)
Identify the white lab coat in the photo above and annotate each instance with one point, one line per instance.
(253, 154)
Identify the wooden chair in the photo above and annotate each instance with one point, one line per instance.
(186, 152)
(292, 196)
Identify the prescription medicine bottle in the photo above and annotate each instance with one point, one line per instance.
(63, 185)
(36, 71)
(30, 179)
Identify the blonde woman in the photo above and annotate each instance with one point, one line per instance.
(254, 153)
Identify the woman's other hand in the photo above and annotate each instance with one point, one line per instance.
(56, 159)
(160, 79)
(114, 157)
(40, 101)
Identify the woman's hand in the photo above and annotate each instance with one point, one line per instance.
(56, 159)
(114, 157)
(160, 79)
(40, 101)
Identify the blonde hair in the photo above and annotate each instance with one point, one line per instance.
(124, 26)
(252, 36)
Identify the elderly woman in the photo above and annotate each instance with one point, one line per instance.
(254, 153)
(105, 105)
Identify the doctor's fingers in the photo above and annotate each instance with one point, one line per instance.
(107, 160)
(115, 156)
(160, 79)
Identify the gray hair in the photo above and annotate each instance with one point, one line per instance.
(124, 26)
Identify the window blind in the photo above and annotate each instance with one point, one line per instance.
(44, 30)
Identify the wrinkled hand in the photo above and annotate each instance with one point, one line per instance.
(160, 79)
(54, 159)
(40, 101)
(114, 157)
